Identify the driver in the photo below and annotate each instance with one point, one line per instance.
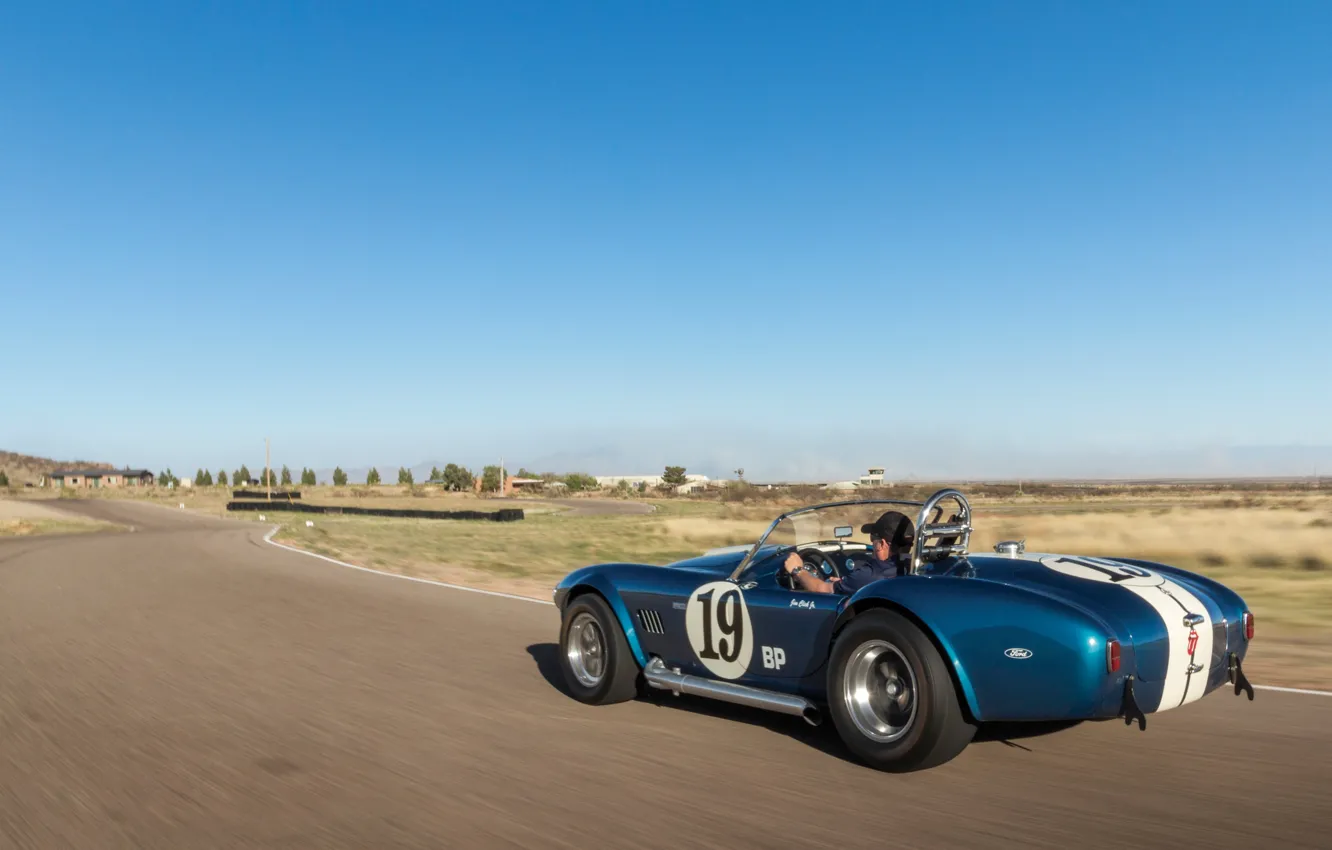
(891, 536)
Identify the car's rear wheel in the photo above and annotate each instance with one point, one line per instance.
(598, 666)
(891, 696)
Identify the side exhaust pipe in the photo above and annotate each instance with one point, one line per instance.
(659, 676)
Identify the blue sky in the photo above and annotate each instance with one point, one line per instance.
(964, 239)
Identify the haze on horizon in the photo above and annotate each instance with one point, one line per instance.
(981, 240)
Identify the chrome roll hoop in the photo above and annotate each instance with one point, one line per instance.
(951, 535)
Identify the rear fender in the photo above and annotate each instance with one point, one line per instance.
(1016, 655)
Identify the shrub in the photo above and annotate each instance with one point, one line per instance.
(1266, 561)
(580, 481)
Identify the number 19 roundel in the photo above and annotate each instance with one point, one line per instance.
(718, 625)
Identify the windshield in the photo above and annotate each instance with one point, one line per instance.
(844, 524)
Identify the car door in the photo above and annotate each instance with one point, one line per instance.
(793, 628)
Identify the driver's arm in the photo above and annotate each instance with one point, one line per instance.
(807, 581)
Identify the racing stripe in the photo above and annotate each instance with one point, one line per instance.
(1172, 602)
(1195, 683)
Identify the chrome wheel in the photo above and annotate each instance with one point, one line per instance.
(880, 691)
(586, 648)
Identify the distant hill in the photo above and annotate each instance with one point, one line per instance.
(23, 469)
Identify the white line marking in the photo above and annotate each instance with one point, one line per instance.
(268, 538)
(1306, 691)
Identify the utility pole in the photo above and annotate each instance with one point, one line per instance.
(268, 470)
(501, 477)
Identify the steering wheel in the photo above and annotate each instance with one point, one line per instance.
(818, 562)
(824, 565)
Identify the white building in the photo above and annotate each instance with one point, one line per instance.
(872, 478)
(647, 480)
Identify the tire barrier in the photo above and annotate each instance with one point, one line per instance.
(502, 515)
(260, 494)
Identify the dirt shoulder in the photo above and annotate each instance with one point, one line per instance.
(23, 518)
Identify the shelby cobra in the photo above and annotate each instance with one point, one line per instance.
(909, 665)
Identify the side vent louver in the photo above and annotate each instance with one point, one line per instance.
(650, 621)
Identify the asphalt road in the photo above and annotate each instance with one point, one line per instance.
(188, 685)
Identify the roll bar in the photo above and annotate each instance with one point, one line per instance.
(946, 533)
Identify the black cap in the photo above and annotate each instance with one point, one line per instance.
(893, 527)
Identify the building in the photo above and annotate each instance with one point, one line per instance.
(605, 481)
(693, 486)
(93, 479)
(874, 478)
(514, 484)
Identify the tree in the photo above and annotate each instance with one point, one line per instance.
(286, 476)
(270, 477)
(164, 478)
(458, 477)
(208, 478)
(242, 475)
(405, 476)
(372, 477)
(579, 481)
(491, 476)
(198, 478)
(308, 477)
(339, 477)
(674, 476)
(4, 479)
(222, 477)
(434, 473)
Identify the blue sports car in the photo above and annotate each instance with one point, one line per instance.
(907, 662)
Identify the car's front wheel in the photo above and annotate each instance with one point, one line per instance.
(598, 666)
(891, 697)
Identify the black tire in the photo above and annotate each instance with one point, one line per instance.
(618, 681)
(937, 730)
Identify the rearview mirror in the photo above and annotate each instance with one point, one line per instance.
(842, 531)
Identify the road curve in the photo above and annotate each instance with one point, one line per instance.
(188, 685)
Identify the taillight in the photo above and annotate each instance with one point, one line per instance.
(1248, 626)
(1112, 656)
